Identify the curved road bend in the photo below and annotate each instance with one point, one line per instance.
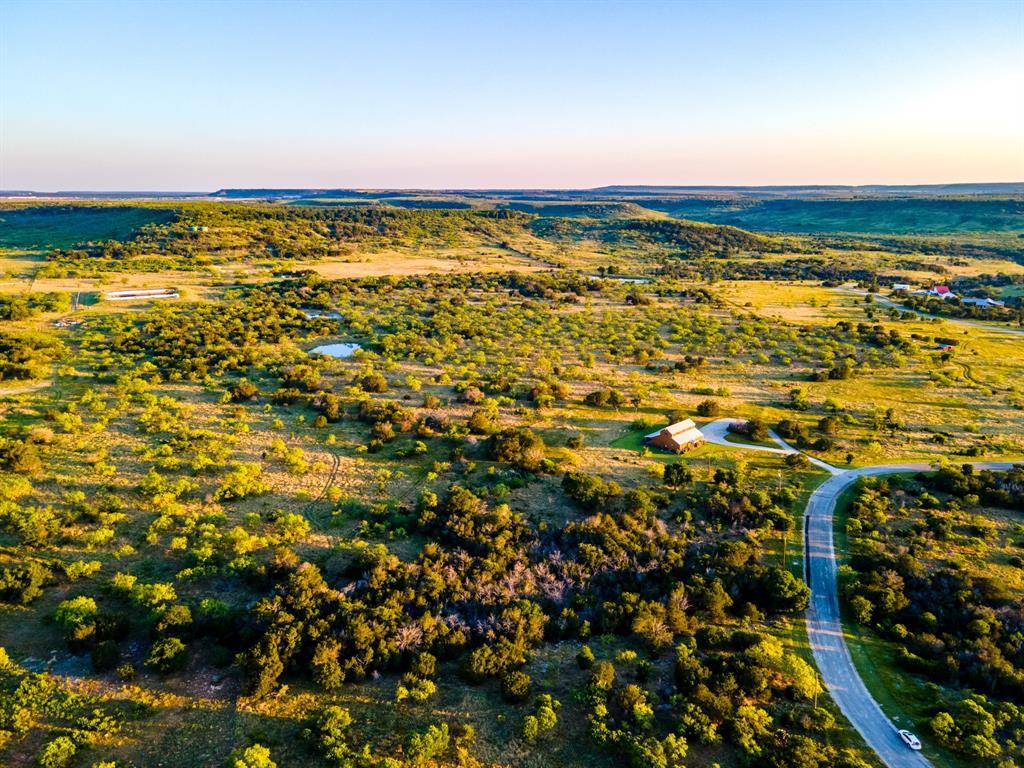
(716, 431)
(824, 625)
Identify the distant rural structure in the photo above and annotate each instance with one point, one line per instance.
(940, 291)
(943, 292)
(678, 437)
(142, 293)
(983, 302)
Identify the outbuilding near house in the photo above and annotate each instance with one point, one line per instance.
(138, 294)
(678, 437)
(983, 302)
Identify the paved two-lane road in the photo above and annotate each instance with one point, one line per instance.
(824, 626)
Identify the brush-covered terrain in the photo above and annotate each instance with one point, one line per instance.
(372, 491)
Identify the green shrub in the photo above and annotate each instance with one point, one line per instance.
(585, 658)
(255, 756)
(374, 382)
(77, 617)
(23, 584)
(58, 753)
(428, 745)
(515, 685)
(168, 655)
(242, 481)
(708, 408)
(521, 447)
(543, 719)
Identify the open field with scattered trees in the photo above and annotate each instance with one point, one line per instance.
(450, 546)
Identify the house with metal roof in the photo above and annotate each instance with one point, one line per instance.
(677, 437)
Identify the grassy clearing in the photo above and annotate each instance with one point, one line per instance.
(434, 261)
(789, 301)
(975, 396)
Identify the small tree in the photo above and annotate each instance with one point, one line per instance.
(243, 390)
(255, 756)
(757, 429)
(374, 382)
(796, 461)
(432, 743)
(862, 608)
(585, 658)
(331, 731)
(168, 655)
(515, 685)
(58, 753)
(77, 617)
(543, 719)
(678, 474)
(708, 408)
(521, 447)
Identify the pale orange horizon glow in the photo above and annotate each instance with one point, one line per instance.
(524, 95)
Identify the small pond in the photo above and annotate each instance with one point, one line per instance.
(341, 349)
(313, 314)
(616, 279)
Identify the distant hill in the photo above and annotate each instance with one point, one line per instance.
(274, 193)
(94, 195)
(597, 209)
(812, 209)
(878, 215)
(611, 192)
(614, 192)
(813, 191)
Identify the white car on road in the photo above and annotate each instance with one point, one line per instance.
(910, 739)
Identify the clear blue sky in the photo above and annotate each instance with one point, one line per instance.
(197, 96)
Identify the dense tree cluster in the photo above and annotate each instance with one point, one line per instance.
(28, 355)
(189, 236)
(690, 238)
(490, 588)
(31, 304)
(727, 500)
(193, 342)
(738, 686)
(801, 268)
(957, 626)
